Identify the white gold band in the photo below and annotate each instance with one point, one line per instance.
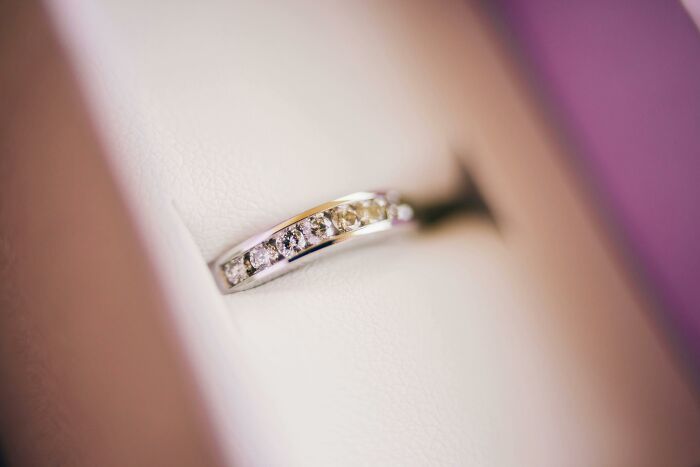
(284, 246)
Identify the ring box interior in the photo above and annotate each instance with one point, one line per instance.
(524, 342)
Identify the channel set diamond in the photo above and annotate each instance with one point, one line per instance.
(312, 230)
(371, 211)
(345, 218)
(262, 256)
(402, 212)
(290, 242)
(317, 228)
(235, 271)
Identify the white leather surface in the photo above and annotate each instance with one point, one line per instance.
(460, 347)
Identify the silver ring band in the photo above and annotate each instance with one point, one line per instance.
(283, 247)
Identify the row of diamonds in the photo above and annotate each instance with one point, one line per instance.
(308, 232)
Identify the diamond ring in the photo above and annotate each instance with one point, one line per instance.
(283, 247)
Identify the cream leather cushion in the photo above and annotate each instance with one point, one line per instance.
(463, 346)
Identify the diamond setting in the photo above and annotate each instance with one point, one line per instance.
(235, 271)
(345, 218)
(405, 213)
(326, 223)
(317, 228)
(371, 211)
(260, 256)
(401, 212)
(290, 242)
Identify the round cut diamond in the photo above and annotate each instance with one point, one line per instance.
(402, 212)
(345, 218)
(260, 257)
(317, 228)
(405, 212)
(371, 211)
(272, 251)
(235, 271)
(290, 242)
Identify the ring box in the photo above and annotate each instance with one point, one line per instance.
(525, 343)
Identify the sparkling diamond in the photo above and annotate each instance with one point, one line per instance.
(345, 218)
(272, 252)
(235, 271)
(371, 211)
(402, 212)
(405, 212)
(317, 228)
(392, 212)
(261, 257)
(290, 242)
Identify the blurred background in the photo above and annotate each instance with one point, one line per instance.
(620, 82)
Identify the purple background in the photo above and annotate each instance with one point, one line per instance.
(623, 82)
